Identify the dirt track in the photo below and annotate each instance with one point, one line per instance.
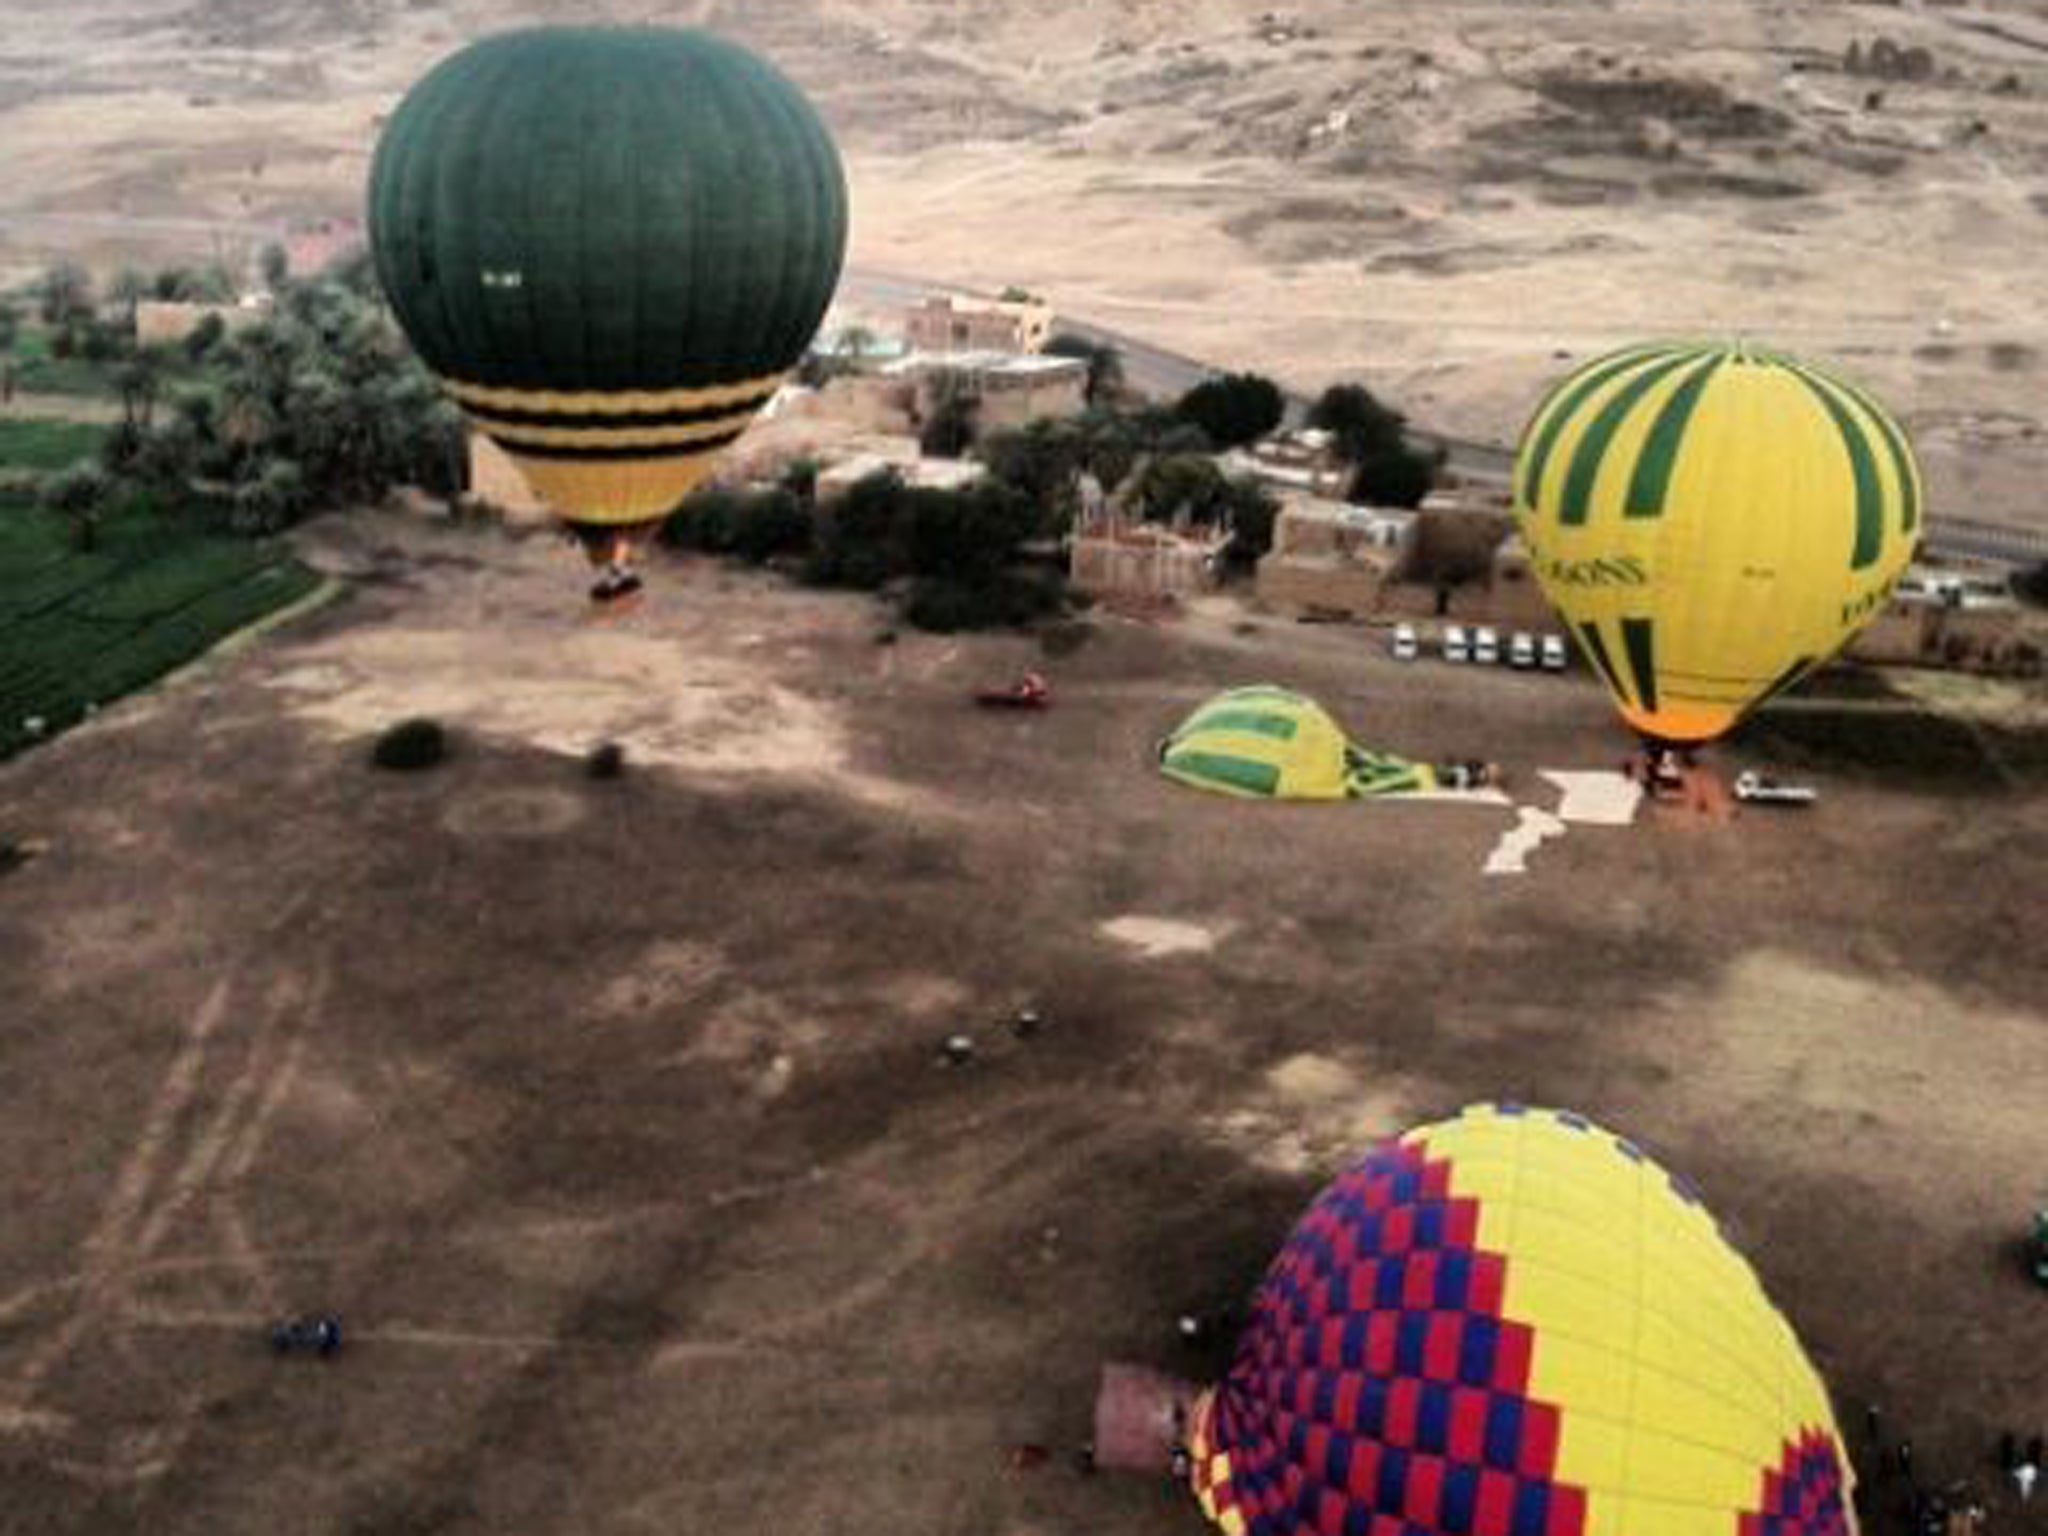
(607, 1115)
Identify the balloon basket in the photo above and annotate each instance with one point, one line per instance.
(1140, 1416)
(1682, 785)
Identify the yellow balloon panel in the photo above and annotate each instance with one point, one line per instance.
(1677, 1380)
(1712, 523)
(1514, 1323)
(614, 458)
(619, 493)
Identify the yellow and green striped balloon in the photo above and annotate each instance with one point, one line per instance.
(1274, 744)
(1712, 522)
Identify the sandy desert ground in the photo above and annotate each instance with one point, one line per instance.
(1447, 199)
(608, 1115)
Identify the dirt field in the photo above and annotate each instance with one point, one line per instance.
(607, 1114)
(1449, 199)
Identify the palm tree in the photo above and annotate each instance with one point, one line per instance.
(128, 288)
(855, 343)
(64, 293)
(140, 380)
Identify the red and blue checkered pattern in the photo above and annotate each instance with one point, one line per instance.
(1381, 1390)
(1378, 1390)
(1804, 1497)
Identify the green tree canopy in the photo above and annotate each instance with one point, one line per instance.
(1387, 469)
(1233, 410)
(64, 294)
(1105, 365)
(1361, 427)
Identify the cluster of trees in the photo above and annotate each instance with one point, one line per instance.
(81, 322)
(1386, 469)
(318, 405)
(1369, 438)
(950, 559)
(1233, 410)
(1150, 462)
(321, 404)
(2031, 584)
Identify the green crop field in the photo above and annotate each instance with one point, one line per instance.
(45, 445)
(81, 629)
(38, 371)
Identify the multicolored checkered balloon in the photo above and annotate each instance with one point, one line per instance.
(1513, 1323)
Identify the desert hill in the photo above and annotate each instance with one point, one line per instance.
(1446, 199)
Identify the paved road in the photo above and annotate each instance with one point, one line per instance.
(1157, 371)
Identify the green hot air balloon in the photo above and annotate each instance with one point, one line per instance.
(610, 244)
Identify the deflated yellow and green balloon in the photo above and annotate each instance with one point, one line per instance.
(610, 244)
(1712, 522)
(1272, 743)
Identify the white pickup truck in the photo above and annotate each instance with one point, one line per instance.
(1753, 788)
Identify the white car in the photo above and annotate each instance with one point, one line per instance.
(1406, 646)
(1485, 646)
(1755, 788)
(1554, 658)
(1455, 647)
(1522, 650)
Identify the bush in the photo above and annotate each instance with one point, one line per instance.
(1041, 462)
(204, 337)
(64, 293)
(944, 604)
(270, 501)
(950, 429)
(1253, 511)
(411, 745)
(772, 525)
(1399, 477)
(1105, 365)
(77, 490)
(1362, 428)
(100, 342)
(858, 541)
(606, 761)
(800, 479)
(1451, 549)
(971, 535)
(960, 548)
(757, 526)
(1236, 409)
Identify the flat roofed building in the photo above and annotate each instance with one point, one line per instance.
(948, 323)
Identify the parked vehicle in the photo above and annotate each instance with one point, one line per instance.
(1456, 648)
(1522, 650)
(1754, 788)
(1554, 658)
(317, 1335)
(1470, 774)
(1406, 646)
(1030, 691)
(1486, 646)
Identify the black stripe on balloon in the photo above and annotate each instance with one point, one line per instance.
(690, 416)
(618, 452)
(1596, 647)
(1785, 680)
(1638, 640)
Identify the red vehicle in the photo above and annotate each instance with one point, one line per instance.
(1029, 692)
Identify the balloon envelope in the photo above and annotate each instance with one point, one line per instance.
(610, 244)
(1712, 523)
(1265, 742)
(1513, 1323)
